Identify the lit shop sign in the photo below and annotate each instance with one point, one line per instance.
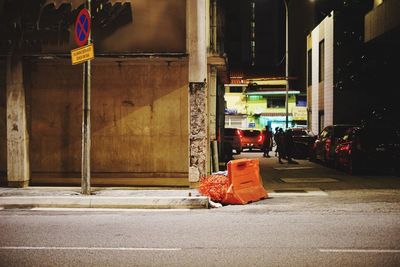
(299, 113)
(231, 111)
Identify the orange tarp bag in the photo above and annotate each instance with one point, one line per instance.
(214, 186)
(245, 182)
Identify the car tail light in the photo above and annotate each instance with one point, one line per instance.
(240, 134)
(260, 138)
(345, 148)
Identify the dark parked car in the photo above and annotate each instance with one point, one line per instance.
(369, 149)
(252, 139)
(234, 137)
(325, 143)
(303, 142)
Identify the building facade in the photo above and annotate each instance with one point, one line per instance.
(250, 106)
(352, 57)
(142, 109)
(382, 42)
(320, 75)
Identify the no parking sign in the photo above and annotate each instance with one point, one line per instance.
(81, 34)
(84, 53)
(82, 27)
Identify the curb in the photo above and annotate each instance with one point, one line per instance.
(105, 202)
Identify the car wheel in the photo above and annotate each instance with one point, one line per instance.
(352, 167)
(330, 162)
(312, 156)
(337, 164)
(326, 159)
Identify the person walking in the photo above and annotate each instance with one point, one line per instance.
(289, 145)
(280, 144)
(276, 134)
(267, 144)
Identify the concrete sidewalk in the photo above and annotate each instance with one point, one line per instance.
(102, 197)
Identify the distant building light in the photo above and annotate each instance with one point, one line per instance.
(274, 93)
(235, 85)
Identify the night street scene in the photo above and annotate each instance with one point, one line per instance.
(199, 133)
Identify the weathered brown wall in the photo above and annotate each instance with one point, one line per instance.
(158, 26)
(3, 125)
(139, 118)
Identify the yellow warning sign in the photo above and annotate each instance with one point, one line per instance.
(299, 113)
(82, 54)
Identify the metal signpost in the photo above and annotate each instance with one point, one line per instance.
(287, 61)
(84, 54)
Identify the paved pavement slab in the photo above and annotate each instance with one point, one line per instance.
(69, 197)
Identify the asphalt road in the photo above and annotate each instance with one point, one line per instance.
(353, 221)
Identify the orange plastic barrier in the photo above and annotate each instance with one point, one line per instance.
(245, 182)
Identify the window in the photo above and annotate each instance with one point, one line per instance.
(321, 61)
(276, 102)
(253, 33)
(324, 133)
(321, 118)
(251, 133)
(301, 101)
(299, 132)
(309, 67)
(255, 97)
(377, 3)
(235, 89)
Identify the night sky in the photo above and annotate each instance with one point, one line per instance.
(364, 71)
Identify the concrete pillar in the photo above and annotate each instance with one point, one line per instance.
(212, 87)
(212, 109)
(197, 49)
(315, 83)
(18, 172)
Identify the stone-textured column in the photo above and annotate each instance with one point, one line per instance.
(197, 132)
(196, 47)
(18, 172)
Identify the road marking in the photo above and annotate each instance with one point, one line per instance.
(106, 209)
(90, 248)
(289, 192)
(309, 180)
(292, 168)
(360, 250)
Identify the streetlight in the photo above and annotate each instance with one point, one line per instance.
(287, 61)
